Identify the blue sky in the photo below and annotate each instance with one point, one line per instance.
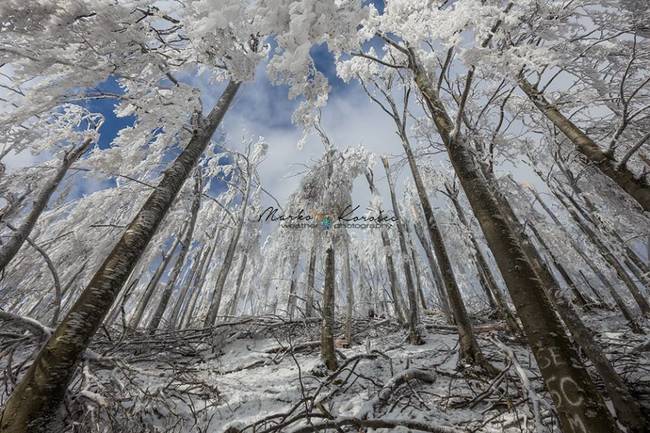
(260, 109)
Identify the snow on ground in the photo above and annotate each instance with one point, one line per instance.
(265, 375)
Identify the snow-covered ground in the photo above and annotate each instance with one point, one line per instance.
(264, 374)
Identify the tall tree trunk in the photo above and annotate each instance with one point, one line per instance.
(240, 277)
(628, 411)
(217, 294)
(469, 349)
(636, 187)
(291, 299)
(579, 297)
(153, 283)
(416, 271)
(198, 288)
(435, 273)
(327, 351)
(582, 336)
(601, 300)
(192, 274)
(484, 269)
(588, 260)
(396, 293)
(311, 277)
(578, 404)
(607, 255)
(414, 337)
(186, 244)
(483, 279)
(37, 397)
(398, 301)
(19, 236)
(349, 307)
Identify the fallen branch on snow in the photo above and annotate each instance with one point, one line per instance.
(374, 423)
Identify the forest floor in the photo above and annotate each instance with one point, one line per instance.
(264, 374)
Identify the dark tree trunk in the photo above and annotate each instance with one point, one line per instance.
(435, 273)
(291, 299)
(484, 270)
(607, 255)
(416, 272)
(153, 283)
(327, 351)
(37, 397)
(192, 273)
(186, 244)
(578, 296)
(311, 278)
(635, 186)
(217, 294)
(414, 337)
(349, 307)
(396, 294)
(240, 277)
(575, 396)
(469, 349)
(196, 291)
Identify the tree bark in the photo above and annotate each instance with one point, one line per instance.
(484, 269)
(588, 260)
(608, 256)
(192, 275)
(396, 294)
(416, 272)
(469, 349)
(349, 307)
(240, 277)
(311, 277)
(327, 351)
(578, 296)
(186, 244)
(153, 283)
(628, 411)
(636, 187)
(580, 408)
(435, 273)
(37, 397)
(197, 289)
(291, 299)
(217, 294)
(20, 234)
(414, 337)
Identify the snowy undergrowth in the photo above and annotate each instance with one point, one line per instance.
(265, 375)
